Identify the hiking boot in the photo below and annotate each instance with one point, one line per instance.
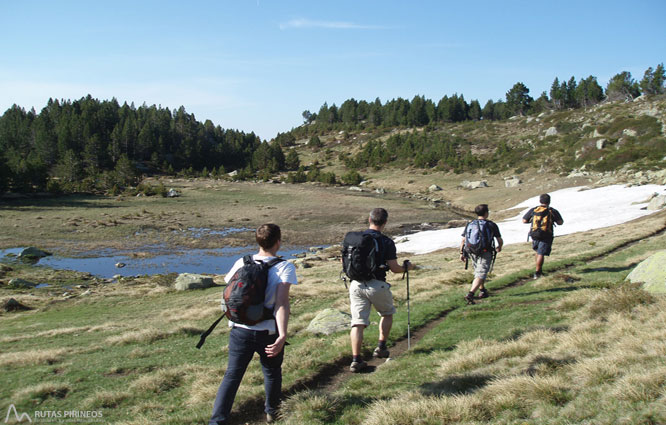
(537, 275)
(381, 353)
(470, 298)
(484, 293)
(358, 366)
(270, 418)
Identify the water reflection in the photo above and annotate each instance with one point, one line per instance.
(103, 263)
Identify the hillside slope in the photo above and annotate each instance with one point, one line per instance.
(615, 141)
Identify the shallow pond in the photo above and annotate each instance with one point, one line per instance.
(103, 263)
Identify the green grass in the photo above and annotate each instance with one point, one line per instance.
(130, 350)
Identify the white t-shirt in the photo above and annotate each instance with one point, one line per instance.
(283, 271)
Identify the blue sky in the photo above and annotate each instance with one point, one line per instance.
(257, 65)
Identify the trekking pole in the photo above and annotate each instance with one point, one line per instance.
(405, 264)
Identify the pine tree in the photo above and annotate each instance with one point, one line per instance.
(622, 87)
(518, 99)
(556, 95)
(292, 162)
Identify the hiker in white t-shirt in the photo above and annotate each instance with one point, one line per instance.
(267, 338)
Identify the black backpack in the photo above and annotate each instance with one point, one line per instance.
(360, 253)
(243, 298)
(478, 237)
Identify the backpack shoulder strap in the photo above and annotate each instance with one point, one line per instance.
(248, 260)
(274, 261)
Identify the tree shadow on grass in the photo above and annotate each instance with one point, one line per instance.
(609, 269)
(550, 290)
(56, 202)
(456, 385)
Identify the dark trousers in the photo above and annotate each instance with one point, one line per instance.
(243, 343)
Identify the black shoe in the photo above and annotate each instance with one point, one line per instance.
(470, 298)
(484, 293)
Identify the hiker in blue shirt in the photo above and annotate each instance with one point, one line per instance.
(477, 245)
(543, 219)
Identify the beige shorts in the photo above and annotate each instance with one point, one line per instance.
(363, 295)
(482, 264)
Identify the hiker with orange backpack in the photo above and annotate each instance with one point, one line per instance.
(478, 243)
(543, 219)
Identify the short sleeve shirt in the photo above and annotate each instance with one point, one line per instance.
(387, 252)
(556, 215)
(282, 272)
(494, 228)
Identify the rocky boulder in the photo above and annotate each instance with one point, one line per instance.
(657, 203)
(33, 253)
(434, 188)
(512, 182)
(13, 305)
(552, 131)
(651, 272)
(329, 321)
(187, 281)
(172, 193)
(21, 284)
(473, 185)
(601, 143)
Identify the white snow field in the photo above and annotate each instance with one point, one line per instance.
(581, 208)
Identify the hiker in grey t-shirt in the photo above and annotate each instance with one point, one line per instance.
(482, 261)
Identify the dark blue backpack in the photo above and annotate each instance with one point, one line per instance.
(478, 237)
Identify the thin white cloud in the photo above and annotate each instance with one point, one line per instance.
(338, 25)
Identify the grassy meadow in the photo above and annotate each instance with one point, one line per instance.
(577, 346)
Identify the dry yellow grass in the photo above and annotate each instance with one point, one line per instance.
(43, 391)
(161, 381)
(106, 399)
(34, 357)
(591, 373)
(205, 383)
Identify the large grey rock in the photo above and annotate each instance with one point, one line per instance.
(172, 193)
(552, 131)
(474, 185)
(657, 203)
(601, 143)
(33, 253)
(434, 188)
(629, 132)
(512, 182)
(21, 283)
(186, 281)
(651, 272)
(13, 305)
(329, 321)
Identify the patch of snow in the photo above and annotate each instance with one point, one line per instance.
(582, 209)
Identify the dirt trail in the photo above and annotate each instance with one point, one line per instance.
(334, 375)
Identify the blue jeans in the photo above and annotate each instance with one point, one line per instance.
(243, 343)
